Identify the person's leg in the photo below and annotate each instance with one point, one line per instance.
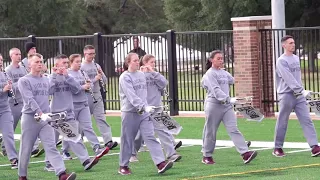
(286, 104)
(6, 127)
(29, 132)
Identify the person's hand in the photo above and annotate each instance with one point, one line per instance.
(149, 109)
(7, 87)
(98, 77)
(233, 100)
(86, 86)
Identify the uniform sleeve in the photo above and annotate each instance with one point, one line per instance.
(27, 95)
(75, 87)
(230, 78)
(285, 73)
(210, 83)
(127, 88)
(160, 80)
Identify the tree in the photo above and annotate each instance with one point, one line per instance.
(41, 18)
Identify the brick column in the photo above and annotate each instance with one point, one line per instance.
(248, 68)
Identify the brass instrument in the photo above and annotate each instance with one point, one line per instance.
(89, 90)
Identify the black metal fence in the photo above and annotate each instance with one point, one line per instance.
(307, 44)
(180, 57)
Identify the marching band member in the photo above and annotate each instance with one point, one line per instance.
(62, 101)
(81, 108)
(135, 115)
(6, 119)
(288, 77)
(15, 72)
(35, 90)
(219, 108)
(96, 76)
(156, 84)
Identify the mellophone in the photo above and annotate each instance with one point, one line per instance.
(244, 107)
(313, 102)
(165, 121)
(58, 121)
(54, 117)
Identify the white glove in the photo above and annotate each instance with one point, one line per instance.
(149, 109)
(45, 117)
(306, 93)
(233, 100)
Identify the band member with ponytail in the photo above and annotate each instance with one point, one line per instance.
(62, 101)
(135, 115)
(96, 75)
(15, 72)
(156, 84)
(35, 90)
(6, 119)
(81, 108)
(219, 108)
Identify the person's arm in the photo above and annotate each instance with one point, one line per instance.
(27, 95)
(230, 78)
(286, 75)
(160, 80)
(212, 86)
(127, 88)
(75, 87)
(104, 77)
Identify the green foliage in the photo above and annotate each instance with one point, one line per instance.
(43, 18)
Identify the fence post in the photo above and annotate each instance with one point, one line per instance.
(98, 44)
(172, 72)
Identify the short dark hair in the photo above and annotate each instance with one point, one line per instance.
(86, 47)
(61, 56)
(286, 37)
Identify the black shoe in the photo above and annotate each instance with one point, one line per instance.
(59, 143)
(249, 143)
(4, 152)
(111, 145)
(14, 164)
(37, 153)
(179, 144)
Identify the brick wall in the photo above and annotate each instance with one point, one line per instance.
(248, 66)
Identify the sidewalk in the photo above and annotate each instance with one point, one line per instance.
(201, 114)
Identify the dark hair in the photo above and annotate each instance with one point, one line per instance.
(284, 38)
(61, 56)
(212, 55)
(88, 47)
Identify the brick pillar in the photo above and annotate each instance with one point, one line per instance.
(248, 70)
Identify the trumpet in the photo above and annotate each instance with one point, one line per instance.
(101, 83)
(10, 92)
(88, 90)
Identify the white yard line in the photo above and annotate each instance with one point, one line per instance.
(222, 143)
(303, 150)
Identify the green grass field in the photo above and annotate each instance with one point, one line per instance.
(228, 162)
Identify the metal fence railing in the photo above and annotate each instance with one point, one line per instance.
(180, 57)
(307, 47)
